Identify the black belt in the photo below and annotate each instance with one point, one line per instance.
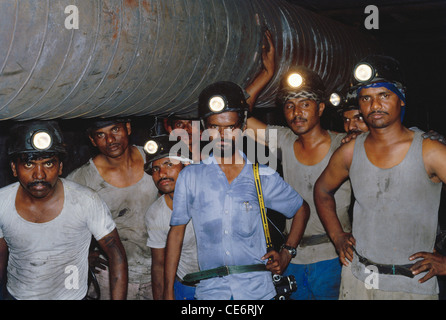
(314, 240)
(222, 271)
(403, 270)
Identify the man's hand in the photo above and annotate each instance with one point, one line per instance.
(277, 262)
(344, 243)
(96, 262)
(350, 136)
(266, 73)
(433, 135)
(268, 54)
(434, 263)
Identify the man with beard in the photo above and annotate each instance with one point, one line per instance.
(164, 168)
(396, 177)
(47, 223)
(117, 174)
(219, 196)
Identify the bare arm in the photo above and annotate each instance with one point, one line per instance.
(157, 271)
(434, 157)
(280, 261)
(267, 72)
(258, 84)
(173, 252)
(331, 179)
(112, 246)
(298, 225)
(3, 265)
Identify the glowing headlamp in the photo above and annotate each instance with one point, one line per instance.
(363, 72)
(41, 140)
(335, 99)
(295, 80)
(151, 147)
(216, 103)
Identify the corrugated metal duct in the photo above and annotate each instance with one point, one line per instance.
(133, 58)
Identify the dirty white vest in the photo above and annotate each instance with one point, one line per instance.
(395, 215)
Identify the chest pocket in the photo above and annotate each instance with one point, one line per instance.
(247, 218)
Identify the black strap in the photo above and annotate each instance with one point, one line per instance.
(403, 270)
(314, 240)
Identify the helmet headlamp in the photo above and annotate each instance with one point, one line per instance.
(41, 140)
(151, 147)
(295, 80)
(335, 99)
(216, 103)
(363, 72)
(162, 146)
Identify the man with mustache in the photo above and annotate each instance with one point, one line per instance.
(117, 174)
(396, 177)
(351, 116)
(252, 91)
(164, 168)
(47, 223)
(219, 196)
(306, 148)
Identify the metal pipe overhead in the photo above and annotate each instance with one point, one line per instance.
(153, 57)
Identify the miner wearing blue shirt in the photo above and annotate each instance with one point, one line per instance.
(220, 197)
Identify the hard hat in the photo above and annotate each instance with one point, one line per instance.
(36, 136)
(159, 147)
(345, 101)
(221, 97)
(377, 68)
(98, 123)
(301, 82)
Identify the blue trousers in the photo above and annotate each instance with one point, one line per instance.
(183, 292)
(316, 281)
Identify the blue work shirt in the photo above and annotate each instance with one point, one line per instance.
(228, 224)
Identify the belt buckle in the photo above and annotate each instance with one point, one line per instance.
(222, 271)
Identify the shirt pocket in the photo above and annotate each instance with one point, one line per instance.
(247, 218)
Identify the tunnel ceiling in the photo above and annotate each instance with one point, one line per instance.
(412, 22)
(412, 31)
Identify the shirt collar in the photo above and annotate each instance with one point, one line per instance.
(211, 159)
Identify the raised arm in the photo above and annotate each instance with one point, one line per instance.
(117, 259)
(331, 179)
(267, 72)
(259, 83)
(172, 258)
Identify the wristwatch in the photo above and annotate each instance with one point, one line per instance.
(290, 249)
